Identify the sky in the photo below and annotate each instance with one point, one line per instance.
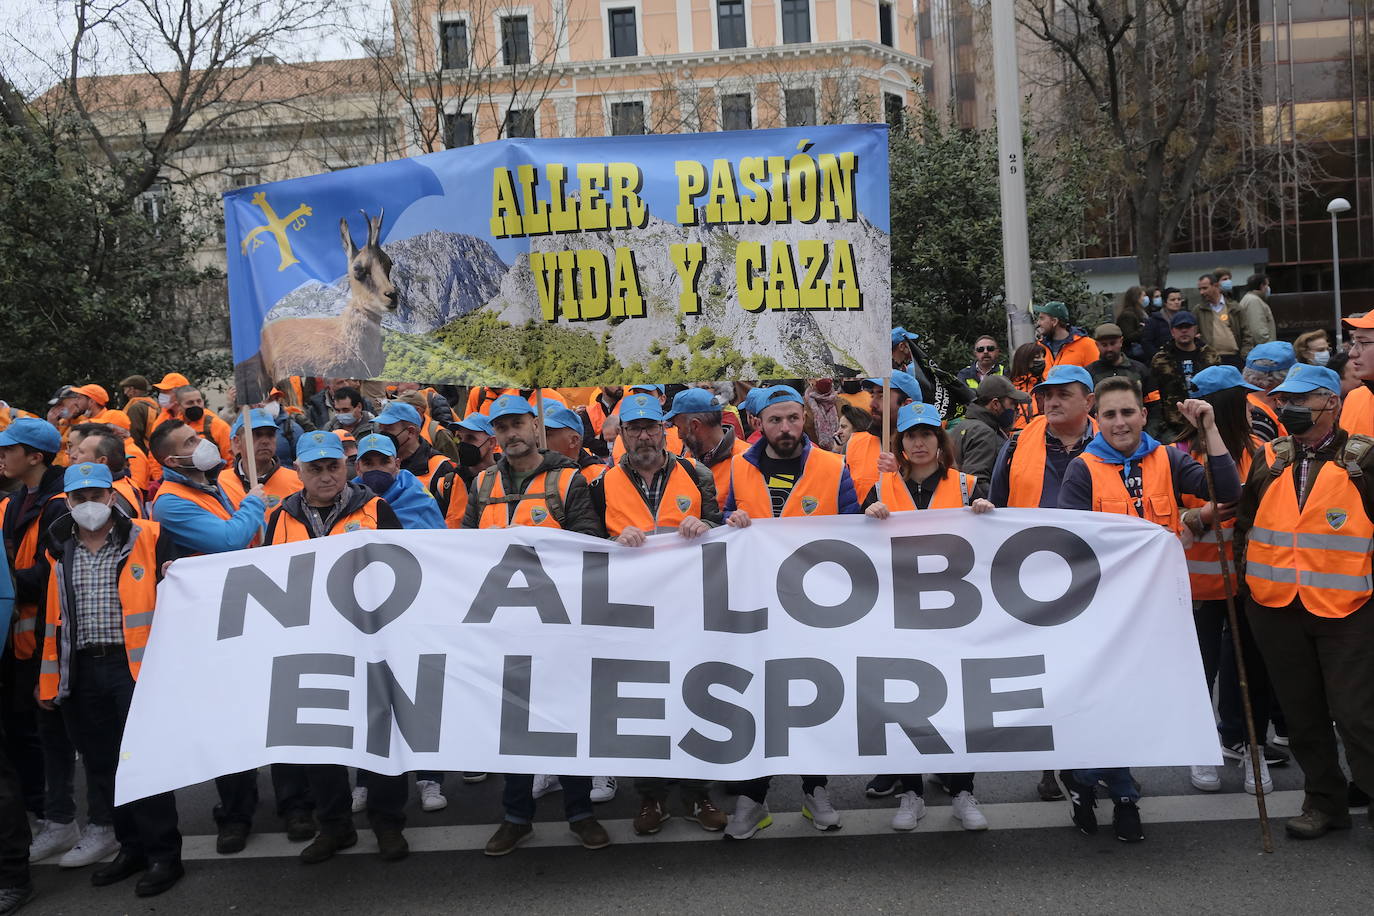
(35, 36)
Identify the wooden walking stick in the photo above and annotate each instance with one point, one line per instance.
(887, 426)
(1233, 621)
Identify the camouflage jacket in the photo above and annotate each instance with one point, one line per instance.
(1173, 369)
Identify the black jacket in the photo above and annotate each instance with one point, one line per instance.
(31, 582)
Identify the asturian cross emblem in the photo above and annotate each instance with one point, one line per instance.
(277, 226)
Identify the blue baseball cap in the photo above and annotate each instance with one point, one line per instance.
(779, 394)
(260, 420)
(1305, 377)
(33, 432)
(556, 416)
(1218, 378)
(918, 414)
(509, 405)
(1181, 319)
(753, 401)
(319, 445)
(478, 423)
(901, 334)
(904, 382)
(693, 400)
(1278, 353)
(658, 388)
(1063, 375)
(398, 412)
(87, 475)
(640, 407)
(376, 442)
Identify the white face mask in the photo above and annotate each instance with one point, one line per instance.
(1321, 357)
(164, 400)
(345, 419)
(91, 515)
(272, 408)
(204, 457)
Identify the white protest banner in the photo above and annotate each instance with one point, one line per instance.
(934, 641)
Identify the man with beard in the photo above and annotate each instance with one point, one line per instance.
(784, 475)
(697, 416)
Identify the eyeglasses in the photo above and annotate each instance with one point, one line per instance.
(985, 349)
(1357, 344)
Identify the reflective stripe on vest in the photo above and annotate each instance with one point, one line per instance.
(26, 613)
(625, 506)
(1204, 556)
(532, 507)
(1156, 488)
(1320, 555)
(861, 455)
(955, 490)
(137, 585)
(817, 492)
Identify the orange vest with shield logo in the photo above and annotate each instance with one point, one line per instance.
(625, 505)
(1156, 489)
(534, 507)
(816, 492)
(954, 491)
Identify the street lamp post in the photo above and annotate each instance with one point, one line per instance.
(1335, 208)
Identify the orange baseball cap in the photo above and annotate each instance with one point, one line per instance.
(1360, 321)
(116, 418)
(94, 392)
(171, 381)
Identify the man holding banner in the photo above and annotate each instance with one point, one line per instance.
(530, 486)
(328, 504)
(1125, 471)
(784, 475)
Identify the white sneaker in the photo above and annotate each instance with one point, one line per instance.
(817, 809)
(1204, 778)
(96, 843)
(967, 812)
(52, 839)
(603, 789)
(543, 785)
(910, 809)
(749, 818)
(1249, 771)
(360, 799)
(431, 798)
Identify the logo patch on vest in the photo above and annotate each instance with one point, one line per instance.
(272, 500)
(137, 572)
(539, 515)
(809, 504)
(352, 526)
(1336, 518)
(684, 503)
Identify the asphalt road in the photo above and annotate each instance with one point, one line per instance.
(1201, 854)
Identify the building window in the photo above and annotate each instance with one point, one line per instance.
(520, 122)
(796, 21)
(730, 24)
(736, 112)
(801, 107)
(457, 130)
(244, 179)
(515, 40)
(153, 202)
(893, 106)
(623, 40)
(885, 23)
(627, 118)
(453, 45)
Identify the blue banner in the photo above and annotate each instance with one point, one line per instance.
(683, 257)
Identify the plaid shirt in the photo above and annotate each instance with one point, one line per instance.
(653, 490)
(95, 581)
(1312, 457)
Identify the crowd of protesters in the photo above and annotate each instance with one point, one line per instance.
(1128, 417)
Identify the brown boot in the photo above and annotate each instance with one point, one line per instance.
(507, 837)
(652, 816)
(592, 834)
(1313, 823)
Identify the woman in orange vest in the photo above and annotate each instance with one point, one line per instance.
(1225, 389)
(923, 475)
(1125, 471)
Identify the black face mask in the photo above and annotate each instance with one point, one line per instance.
(394, 441)
(195, 414)
(851, 385)
(378, 481)
(469, 455)
(1298, 420)
(1007, 418)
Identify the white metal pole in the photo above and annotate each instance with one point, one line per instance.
(1012, 177)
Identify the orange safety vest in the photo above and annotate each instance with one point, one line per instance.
(1257, 401)
(1319, 555)
(1204, 557)
(1077, 351)
(9, 414)
(137, 598)
(816, 493)
(481, 398)
(288, 528)
(124, 486)
(1156, 486)
(280, 485)
(861, 454)
(1026, 480)
(596, 414)
(954, 491)
(205, 500)
(436, 461)
(1357, 413)
(136, 460)
(25, 613)
(625, 506)
(539, 506)
(457, 500)
(721, 470)
(594, 472)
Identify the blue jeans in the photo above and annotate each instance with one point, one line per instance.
(1120, 785)
(518, 797)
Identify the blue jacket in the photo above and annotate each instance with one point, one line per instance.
(6, 598)
(412, 502)
(196, 531)
(848, 500)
